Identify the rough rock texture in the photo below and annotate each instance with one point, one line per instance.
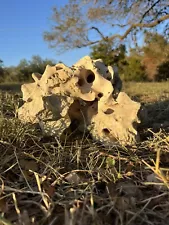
(115, 120)
(86, 95)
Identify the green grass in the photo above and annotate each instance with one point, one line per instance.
(46, 181)
(148, 92)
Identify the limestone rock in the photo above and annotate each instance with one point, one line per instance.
(87, 94)
(115, 122)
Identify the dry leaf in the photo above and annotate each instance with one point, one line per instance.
(49, 189)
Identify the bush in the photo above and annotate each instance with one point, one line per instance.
(134, 70)
(162, 72)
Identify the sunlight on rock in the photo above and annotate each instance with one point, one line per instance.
(88, 93)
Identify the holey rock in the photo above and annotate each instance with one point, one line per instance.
(86, 96)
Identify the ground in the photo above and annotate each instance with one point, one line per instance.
(76, 181)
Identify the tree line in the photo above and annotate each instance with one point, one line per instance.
(22, 72)
(147, 63)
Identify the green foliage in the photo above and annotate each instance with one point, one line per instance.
(134, 70)
(110, 56)
(155, 38)
(22, 72)
(130, 67)
(162, 72)
(104, 50)
(150, 62)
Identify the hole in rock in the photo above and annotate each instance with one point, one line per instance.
(109, 111)
(58, 68)
(74, 125)
(106, 131)
(100, 95)
(135, 124)
(80, 82)
(94, 106)
(90, 77)
(96, 100)
(92, 102)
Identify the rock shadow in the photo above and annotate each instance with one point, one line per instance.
(156, 117)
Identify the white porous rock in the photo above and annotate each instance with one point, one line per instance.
(115, 121)
(89, 93)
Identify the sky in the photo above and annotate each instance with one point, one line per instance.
(22, 24)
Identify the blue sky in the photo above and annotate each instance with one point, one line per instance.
(22, 24)
(21, 31)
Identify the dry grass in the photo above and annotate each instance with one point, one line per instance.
(75, 181)
(148, 92)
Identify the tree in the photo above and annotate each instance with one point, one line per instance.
(22, 72)
(134, 70)
(155, 53)
(35, 65)
(110, 56)
(130, 66)
(86, 22)
(162, 72)
(105, 51)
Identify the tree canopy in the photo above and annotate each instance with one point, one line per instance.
(107, 53)
(155, 55)
(82, 23)
(148, 62)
